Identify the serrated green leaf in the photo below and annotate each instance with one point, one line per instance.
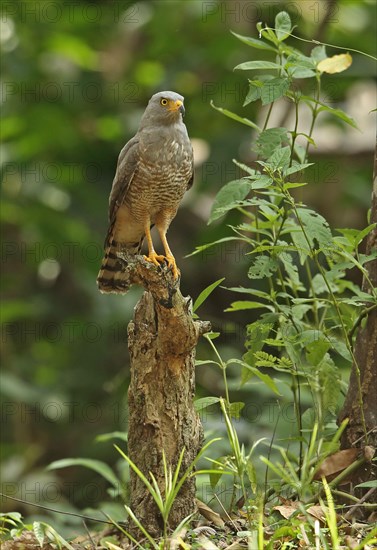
(280, 158)
(254, 93)
(256, 65)
(274, 89)
(317, 236)
(316, 350)
(235, 409)
(283, 25)
(238, 118)
(254, 43)
(263, 266)
(296, 167)
(340, 347)
(291, 270)
(257, 333)
(205, 293)
(300, 61)
(227, 197)
(97, 465)
(354, 236)
(269, 140)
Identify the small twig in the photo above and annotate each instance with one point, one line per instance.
(351, 511)
(89, 535)
(225, 512)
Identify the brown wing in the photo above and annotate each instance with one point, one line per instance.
(126, 168)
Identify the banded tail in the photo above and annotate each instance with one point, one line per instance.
(112, 278)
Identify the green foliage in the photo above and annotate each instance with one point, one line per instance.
(305, 306)
(297, 264)
(164, 498)
(13, 526)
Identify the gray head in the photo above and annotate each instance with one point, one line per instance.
(163, 108)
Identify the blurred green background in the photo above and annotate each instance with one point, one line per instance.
(76, 77)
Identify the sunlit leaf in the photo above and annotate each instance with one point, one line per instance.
(335, 64)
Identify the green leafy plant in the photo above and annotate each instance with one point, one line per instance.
(308, 310)
(12, 526)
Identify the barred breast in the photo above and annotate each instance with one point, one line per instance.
(164, 170)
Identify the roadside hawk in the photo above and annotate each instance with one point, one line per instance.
(154, 170)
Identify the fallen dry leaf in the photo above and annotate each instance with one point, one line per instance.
(317, 512)
(336, 463)
(210, 514)
(206, 544)
(287, 510)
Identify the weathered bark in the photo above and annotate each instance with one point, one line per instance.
(365, 351)
(161, 341)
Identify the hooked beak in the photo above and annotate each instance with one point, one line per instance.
(178, 106)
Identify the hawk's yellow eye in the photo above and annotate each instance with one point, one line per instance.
(164, 101)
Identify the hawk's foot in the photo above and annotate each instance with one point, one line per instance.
(172, 265)
(155, 259)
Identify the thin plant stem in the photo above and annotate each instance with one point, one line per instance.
(294, 133)
(314, 115)
(315, 299)
(223, 368)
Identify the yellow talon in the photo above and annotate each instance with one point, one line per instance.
(155, 259)
(171, 264)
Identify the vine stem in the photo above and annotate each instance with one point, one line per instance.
(294, 133)
(318, 43)
(315, 114)
(336, 306)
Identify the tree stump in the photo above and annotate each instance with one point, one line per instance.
(161, 339)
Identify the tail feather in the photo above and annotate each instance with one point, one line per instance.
(112, 278)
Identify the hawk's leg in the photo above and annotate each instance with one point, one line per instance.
(152, 257)
(168, 253)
